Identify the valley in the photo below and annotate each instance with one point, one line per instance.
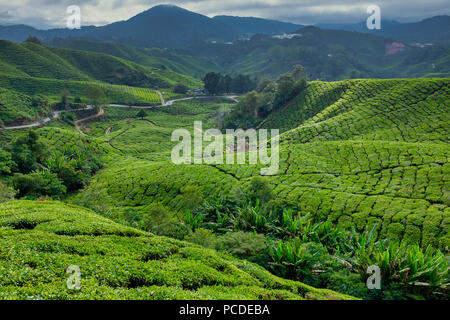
(88, 177)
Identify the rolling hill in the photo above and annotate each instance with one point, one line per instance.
(249, 26)
(151, 57)
(36, 60)
(354, 153)
(326, 55)
(40, 240)
(163, 26)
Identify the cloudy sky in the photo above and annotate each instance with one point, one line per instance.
(52, 13)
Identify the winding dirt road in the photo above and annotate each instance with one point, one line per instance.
(164, 104)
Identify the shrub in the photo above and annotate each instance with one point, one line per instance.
(203, 237)
(28, 152)
(181, 89)
(6, 163)
(68, 117)
(6, 193)
(38, 183)
(260, 190)
(245, 245)
(160, 221)
(192, 197)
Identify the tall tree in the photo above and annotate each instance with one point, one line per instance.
(96, 96)
(211, 81)
(296, 73)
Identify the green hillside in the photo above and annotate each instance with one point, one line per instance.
(36, 60)
(329, 55)
(53, 88)
(362, 152)
(151, 57)
(14, 106)
(40, 240)
(361, 161)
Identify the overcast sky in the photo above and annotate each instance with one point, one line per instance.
(52, 13)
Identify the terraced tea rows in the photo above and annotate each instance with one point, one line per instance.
(378, 153)
(53, 88)
(40, 240)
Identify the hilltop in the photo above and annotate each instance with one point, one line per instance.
(39, 61)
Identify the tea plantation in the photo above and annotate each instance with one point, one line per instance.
(361, 156)
(40, 240)
(356, 153)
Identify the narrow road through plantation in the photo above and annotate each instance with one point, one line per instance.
(99, 114)
(163, 104)
(160, 97)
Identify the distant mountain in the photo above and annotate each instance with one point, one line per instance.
(167, 26)
(39, 61)
(358, 27)
(434, 30)
(161, 26)
(151, 57)
(249, 26)
(327, 55)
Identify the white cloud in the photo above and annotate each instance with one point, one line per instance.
(52, 13)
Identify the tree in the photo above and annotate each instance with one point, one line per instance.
(33, 39)
(68, 117)
(181, 89)
(38, 183)
(6, 193)
(96, 96)
(260, 190)
(251, 103)
(28, 153)
(6, 163)
(211, 81)
(297, 72)
(141, 114)
(65, 98)
(285, 85)
(40, 101)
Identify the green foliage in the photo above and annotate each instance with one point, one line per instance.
(193, 221)
(141, 114)
(245, 245)
(45, 169)
(203, 237)
(269, 97)
(119, 262)
(260, 190)
(180, 88)
(158, 220)
(216, 83)
(425, 272)
(27, 152)
(6, 163)
(95, 96)
(68, 117)
(192, 197)
(38, 183)
(6, 193)
(17, 106)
